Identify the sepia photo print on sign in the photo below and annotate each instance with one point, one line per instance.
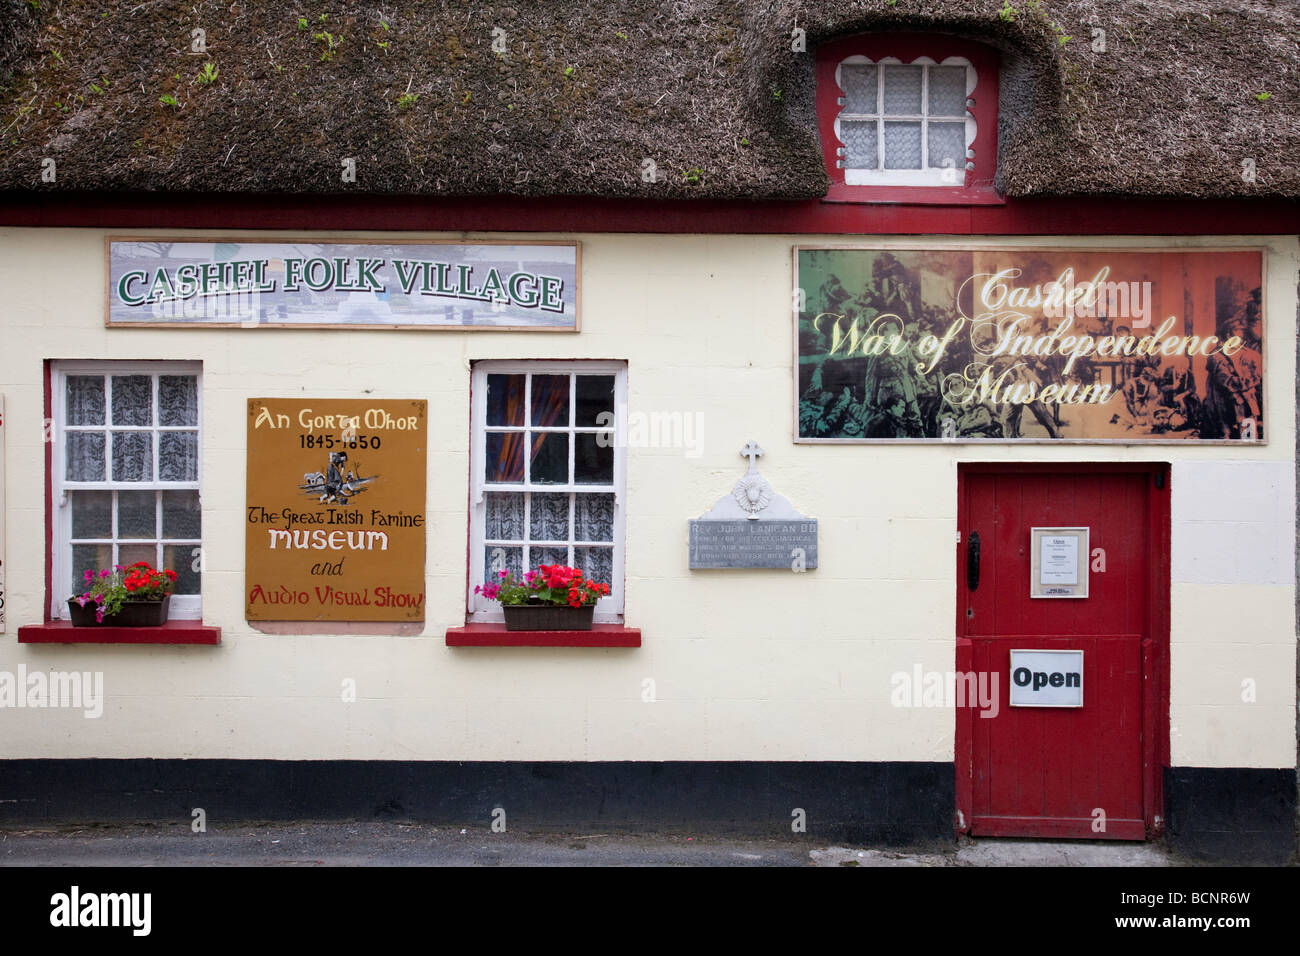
(945, 344)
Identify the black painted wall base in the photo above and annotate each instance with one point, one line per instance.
(882, 803)
(1211, 813)
(1231, 814)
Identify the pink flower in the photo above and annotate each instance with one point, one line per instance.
(82, 600)
(99, 616)
(89, 574)
(502, 573)
(104, 573)
(530, 576)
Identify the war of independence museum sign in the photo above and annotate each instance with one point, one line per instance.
(1024, 344)
(285, 284)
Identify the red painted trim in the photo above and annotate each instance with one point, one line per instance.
(173, 632)
(925, 195)
(1155, 651)
(1029, 217)
(1155, 654)
(496, 635)
(47, 431)
(1061, 829)
(977, 185)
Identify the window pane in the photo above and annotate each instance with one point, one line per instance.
(92, 514)
(85, 399)
(549, 556)
(178, 400)
(861, 150)
(549, 462)
(505, 457)
(947, 94)
(132, 456)
(88, 557)
(505, 399)
(182, 559)
(132, 400)
(858, 80)
(137, 514)
(178, 456)
(595, 396)
(496, 558)
(505, 516)
(902, 89)
(85, 456)
(551, 400)
(548, 518)
(947, 141)
(902, 145)
(128, 554)
(182, 516)
(593, 463)
(596, 563)
(593, 519)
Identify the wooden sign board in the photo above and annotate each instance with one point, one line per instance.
(177, 283)
(335, 520)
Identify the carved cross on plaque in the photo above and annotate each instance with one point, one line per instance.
(751, 451)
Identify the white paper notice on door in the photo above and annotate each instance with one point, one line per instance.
(1058, 563)
(1058, 560)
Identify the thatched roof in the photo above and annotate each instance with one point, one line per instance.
(1186, 91)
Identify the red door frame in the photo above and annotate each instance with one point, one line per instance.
(1155, 645)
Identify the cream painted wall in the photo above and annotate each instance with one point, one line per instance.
(746, 665)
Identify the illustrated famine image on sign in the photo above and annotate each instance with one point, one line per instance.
(1030, 345)
(335, 511)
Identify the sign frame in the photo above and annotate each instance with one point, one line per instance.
(1083, 247)
(354, 327)
(1038, 588)
(325, 501)
(1011, 688)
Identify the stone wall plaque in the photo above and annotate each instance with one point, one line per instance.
(753, 527)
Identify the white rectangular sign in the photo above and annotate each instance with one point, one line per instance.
(1058, 559)
(484, 284)
(1058, 562)
(1046, 678)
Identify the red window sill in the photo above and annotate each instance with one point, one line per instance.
(916, 195)
(496, 635)
(173, 632)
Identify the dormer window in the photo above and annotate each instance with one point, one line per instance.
(908, 119)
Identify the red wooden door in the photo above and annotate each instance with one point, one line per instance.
(1086, 772)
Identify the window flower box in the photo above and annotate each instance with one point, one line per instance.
(548, 617)
(132, 614)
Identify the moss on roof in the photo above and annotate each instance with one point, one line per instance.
(538, 98)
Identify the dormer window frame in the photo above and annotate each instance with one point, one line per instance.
(974, 184)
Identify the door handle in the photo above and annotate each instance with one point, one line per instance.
(973, 561)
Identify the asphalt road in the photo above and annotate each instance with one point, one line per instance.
(310, 844)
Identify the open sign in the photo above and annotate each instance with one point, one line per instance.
(1046, 678)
